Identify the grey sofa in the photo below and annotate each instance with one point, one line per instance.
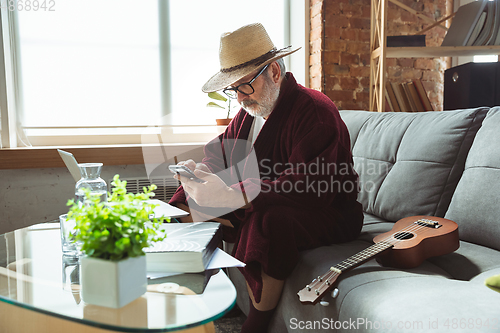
(443, 164)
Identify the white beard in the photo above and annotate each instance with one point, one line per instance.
(266, 105)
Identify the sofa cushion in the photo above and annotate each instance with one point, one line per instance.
(374, 226)
(410, 163)
(481, 278)
(421, 304)
(475, 202)
(468, 261)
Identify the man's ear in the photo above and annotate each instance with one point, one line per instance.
(275, 72)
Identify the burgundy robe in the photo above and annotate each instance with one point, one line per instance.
(303, 143)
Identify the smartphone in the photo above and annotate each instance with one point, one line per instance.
(185, 172)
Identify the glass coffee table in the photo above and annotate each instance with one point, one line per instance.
(40, 292)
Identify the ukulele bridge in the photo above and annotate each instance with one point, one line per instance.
(428, 223)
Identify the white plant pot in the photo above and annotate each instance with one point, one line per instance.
(113, 283)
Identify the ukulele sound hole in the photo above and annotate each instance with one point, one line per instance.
(403, 235)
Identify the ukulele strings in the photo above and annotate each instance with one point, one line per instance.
(413, 228)
(398, 236)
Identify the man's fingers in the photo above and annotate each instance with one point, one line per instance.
(201, 173)
(181, 178)
(190, 164)
(188, 188)
(201, 166)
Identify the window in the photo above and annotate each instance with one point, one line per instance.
(86, 61)
(99, 71)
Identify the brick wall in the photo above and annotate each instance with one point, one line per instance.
(339, 49)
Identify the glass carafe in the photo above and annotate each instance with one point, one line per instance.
(91, 180)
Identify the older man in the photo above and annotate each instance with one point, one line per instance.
(304, 194)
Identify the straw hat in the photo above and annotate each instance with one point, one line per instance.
(242, 52)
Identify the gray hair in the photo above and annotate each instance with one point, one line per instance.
(281, 63)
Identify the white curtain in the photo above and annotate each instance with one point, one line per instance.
(12, 133)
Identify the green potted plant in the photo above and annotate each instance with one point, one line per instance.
(113, 236)
(218, 98)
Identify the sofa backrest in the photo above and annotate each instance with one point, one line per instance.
(475, 205)
(410, 163)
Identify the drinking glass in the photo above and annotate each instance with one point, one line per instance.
(70, 246)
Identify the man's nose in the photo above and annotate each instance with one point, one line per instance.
(242, 97)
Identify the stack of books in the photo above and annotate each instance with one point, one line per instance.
(406, 97)
(188, 248)
(182, 258)
(475, 24)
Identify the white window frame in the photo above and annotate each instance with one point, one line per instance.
(9, 97)
(296, 34)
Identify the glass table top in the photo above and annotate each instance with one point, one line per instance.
(35, 275)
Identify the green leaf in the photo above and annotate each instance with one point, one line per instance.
(215, 105)
(109, 248)
(125, 218)
(217, 96)
(137, 249)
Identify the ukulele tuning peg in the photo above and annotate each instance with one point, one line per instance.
(335, 293)
(324, 303)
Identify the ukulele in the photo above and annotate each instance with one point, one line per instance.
(410, 241)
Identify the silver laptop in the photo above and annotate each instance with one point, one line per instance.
(71, 164)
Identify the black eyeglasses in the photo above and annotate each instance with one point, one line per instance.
(244, 88)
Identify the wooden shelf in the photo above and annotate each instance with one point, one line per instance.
(379, 52)
(437, 51)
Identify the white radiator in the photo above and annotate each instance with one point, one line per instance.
(165, 191)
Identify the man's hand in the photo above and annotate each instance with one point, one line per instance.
(213, 192)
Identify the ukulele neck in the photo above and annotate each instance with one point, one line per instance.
(361, 257)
